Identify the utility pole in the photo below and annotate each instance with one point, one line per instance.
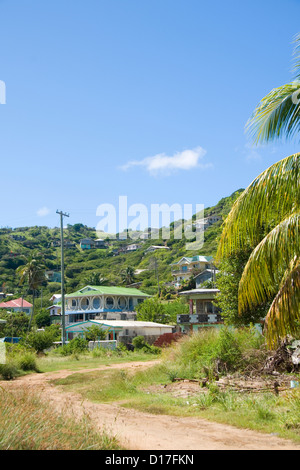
(63, 319)
(153, 261)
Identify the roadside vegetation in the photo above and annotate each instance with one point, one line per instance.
(218, 375)
(27, 423)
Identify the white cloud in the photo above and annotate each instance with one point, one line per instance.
(43, 211)
(164, 164)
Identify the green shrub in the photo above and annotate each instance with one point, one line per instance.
(214, 351)
(27, 362)
(8, 371)
(139, 342)
(75, 346)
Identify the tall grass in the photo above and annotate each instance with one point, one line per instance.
(210, 352)
(27, 423)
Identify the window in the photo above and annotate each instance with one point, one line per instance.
(122, 302)
(96, 302)
(85, 303)
(109, 302)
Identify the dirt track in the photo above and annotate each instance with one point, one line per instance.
(144, 431)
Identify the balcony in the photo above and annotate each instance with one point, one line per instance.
(199, 318)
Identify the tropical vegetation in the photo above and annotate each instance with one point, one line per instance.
(266, 218)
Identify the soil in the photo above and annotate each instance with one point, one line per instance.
(137, 430)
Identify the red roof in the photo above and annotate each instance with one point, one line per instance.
(16, 303)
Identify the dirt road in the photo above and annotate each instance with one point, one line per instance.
(144, 431)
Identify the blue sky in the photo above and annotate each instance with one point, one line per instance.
(144, 99)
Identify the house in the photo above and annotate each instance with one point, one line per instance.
(53, 276)
(122, 330)
(206, 275)
(69, 244)
(203, 313)
(100, 243)
(55, 308)
(55, 313)
(87, 244)
(187, 267)
(133, 247)
(156, 247)
(17, 305)
(103, 303)
(90, 243)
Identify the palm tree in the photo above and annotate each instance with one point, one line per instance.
(267, 217)
(278, 113)
(95, 279)
(34, 273)
(128, 275)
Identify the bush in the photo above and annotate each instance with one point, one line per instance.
(139, 342)
(212, 351)
(8, 371)
(75, 346)
(27, 362)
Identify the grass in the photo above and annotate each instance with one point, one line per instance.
(27, 423)
(52, 362)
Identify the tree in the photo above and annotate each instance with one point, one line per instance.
(266, 217)
(278, 113)
(128, 276)
(95, 333)
(155, 310)
(227, 281)
(34, 273)
(16, 324)
(95, 279)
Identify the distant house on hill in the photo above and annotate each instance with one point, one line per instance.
(53, 276)
(133, 247)
(156, 247)
(206, 275)
(90, 243)
(187, 267)
(17, 305)
(87, 243)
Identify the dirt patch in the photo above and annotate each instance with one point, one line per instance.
(145, 431)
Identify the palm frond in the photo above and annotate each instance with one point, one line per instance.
(284, 314)
(269, 199)
(268, 262)
(277, 114)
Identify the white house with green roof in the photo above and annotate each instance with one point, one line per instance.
(187, 267)
(103, 303)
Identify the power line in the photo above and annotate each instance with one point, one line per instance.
(63, 319)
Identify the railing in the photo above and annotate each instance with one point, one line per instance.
(199, 318)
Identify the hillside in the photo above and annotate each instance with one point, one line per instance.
(81, 266)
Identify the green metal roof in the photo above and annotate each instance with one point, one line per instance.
(107, 290)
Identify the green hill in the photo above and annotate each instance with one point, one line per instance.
(81, 266)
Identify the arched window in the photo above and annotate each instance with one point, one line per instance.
(85, 303)
(96, 302)
(121, 303)
(109, 302)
